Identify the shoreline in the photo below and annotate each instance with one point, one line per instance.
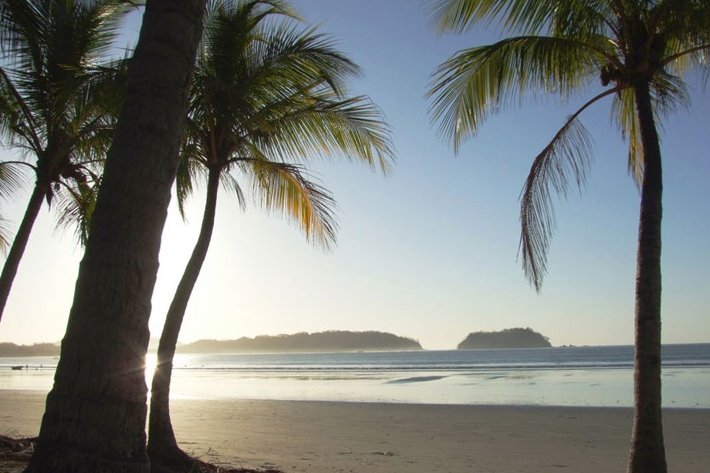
(325, 436)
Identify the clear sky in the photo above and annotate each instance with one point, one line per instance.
(429, 252)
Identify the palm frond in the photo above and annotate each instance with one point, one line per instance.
(288, 56)
(476, 82)
(98, 94)
(524, 15)
(189, 171)
(685, 27)
(623, 112)
(282, 187)
(669, 94)
(17, 121)
(317, 126)
(231, 184)
(564, 160)
(580, 17)
(11, 179)
(22, 24)
(75, 208)
(584, 19)
(4, 235)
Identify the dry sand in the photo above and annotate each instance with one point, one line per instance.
(319, 437)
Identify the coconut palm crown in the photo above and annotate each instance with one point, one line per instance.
(637, 51)
(268, 97)
(58, 94)
(561, 47)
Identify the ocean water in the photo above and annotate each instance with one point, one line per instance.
(579, 376)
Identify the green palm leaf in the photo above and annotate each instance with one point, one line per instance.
(624, 114)
(564, 160)
(282, 187)
(458, 15)
(477, 82)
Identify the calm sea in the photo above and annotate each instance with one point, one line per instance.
(579, 376)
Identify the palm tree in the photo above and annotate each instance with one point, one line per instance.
(266, 97)
(55, 99)
(638, 49)
(96, 411)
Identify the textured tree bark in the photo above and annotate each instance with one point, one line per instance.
(95, 414)
(162, 446)
(19, 243)
(647, 447)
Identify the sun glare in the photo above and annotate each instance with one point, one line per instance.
(151, 360)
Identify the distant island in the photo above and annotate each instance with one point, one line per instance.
(508, 338)
(38, 349)
(331, 341)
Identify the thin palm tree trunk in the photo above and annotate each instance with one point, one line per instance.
(647, 448)
(96, 411)
(12, 263)
(162, 445)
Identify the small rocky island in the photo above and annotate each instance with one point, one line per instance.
(304, 342)
(508, 338)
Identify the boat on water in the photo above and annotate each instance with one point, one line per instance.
(17, 368)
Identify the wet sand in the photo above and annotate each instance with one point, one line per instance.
(319, 437)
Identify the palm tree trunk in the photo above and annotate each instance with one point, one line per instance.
(162, 446)
(647, 449)
(9, 270)
(95, 414)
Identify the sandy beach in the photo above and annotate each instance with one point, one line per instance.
(320, 437)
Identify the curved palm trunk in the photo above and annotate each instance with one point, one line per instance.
(647, 449)
(95, 414)
(162, 446)
(9, 270)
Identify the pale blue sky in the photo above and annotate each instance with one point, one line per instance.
(430, 251)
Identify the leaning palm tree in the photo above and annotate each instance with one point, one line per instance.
(267, 96)
(56, 92)
(638, 50)
(96, 411)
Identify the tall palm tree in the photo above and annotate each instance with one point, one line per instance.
(96, 411)
(266, 97)
(638, 50)
(56, 92)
